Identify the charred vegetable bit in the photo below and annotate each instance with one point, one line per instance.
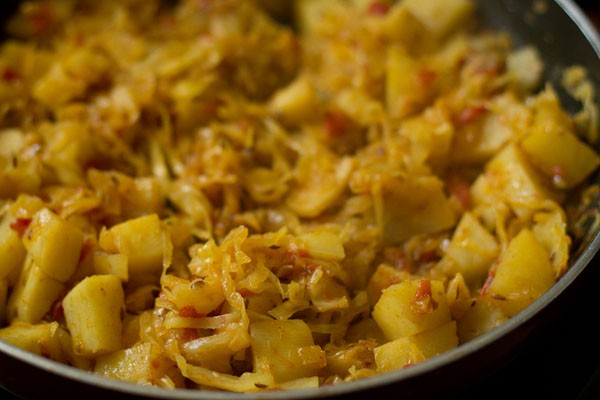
(195, 196)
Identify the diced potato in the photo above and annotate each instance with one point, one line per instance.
(550, 229)
(552, 146)
(440, 17)
(25, 177)
(410, 307)
(524, 273)
(478, 140)
(482, 316)
(413, 206)
(384, 277)
(323, 245)
(296, 102)
(437, 340)
(397, 354)
(12, 141)
(321, 178)
(141, 240)
(143, 363)
(409, 84)
(33, 295)
(93, 312)
(560, 155)
(402, 26)
(471, 252)
(111, 264)
(365, 328)
(54, 244)
(286, 349)
(518, 183)
(359, 106)
(12, 252)
(41, 339)
(431, 133)
(356, 355)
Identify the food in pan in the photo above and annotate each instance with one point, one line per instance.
(195, 195)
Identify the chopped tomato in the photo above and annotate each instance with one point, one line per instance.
(10, 75)
(336, 124)
(423, 290)
(488, 282)
(423, 301)
(189, 311)
(426, 77)
(472, 113)
(428, 256)
(461, 191)
(20, 225)
(378, 8)
(188, 334)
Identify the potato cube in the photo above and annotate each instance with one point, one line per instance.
(34, 294)
(111, 264)
(550, 229)
(410, 307)
(440, 17)
(93, 311)
(560, 155)
(54, 244)
(413, 206)
(12, 252)
(471, 252)
(42, 339)
(409, 84)
(324, 245)
(479, 140)
(437, 340)
(286, 349)
(142, 240)
(519, 184)
(384, 277)
(296, 102)
(321, 177)
(397, 354)
(523, 274)
(481, 317)
(142, 363)
(400, 25)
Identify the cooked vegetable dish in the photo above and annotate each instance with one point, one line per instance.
(194, 194)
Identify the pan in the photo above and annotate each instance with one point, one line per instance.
(564, 37)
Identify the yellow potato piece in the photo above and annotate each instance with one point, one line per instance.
(93, 312)
(523, 274)
(410, 307)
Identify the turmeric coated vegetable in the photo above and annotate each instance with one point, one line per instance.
(194, 195)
